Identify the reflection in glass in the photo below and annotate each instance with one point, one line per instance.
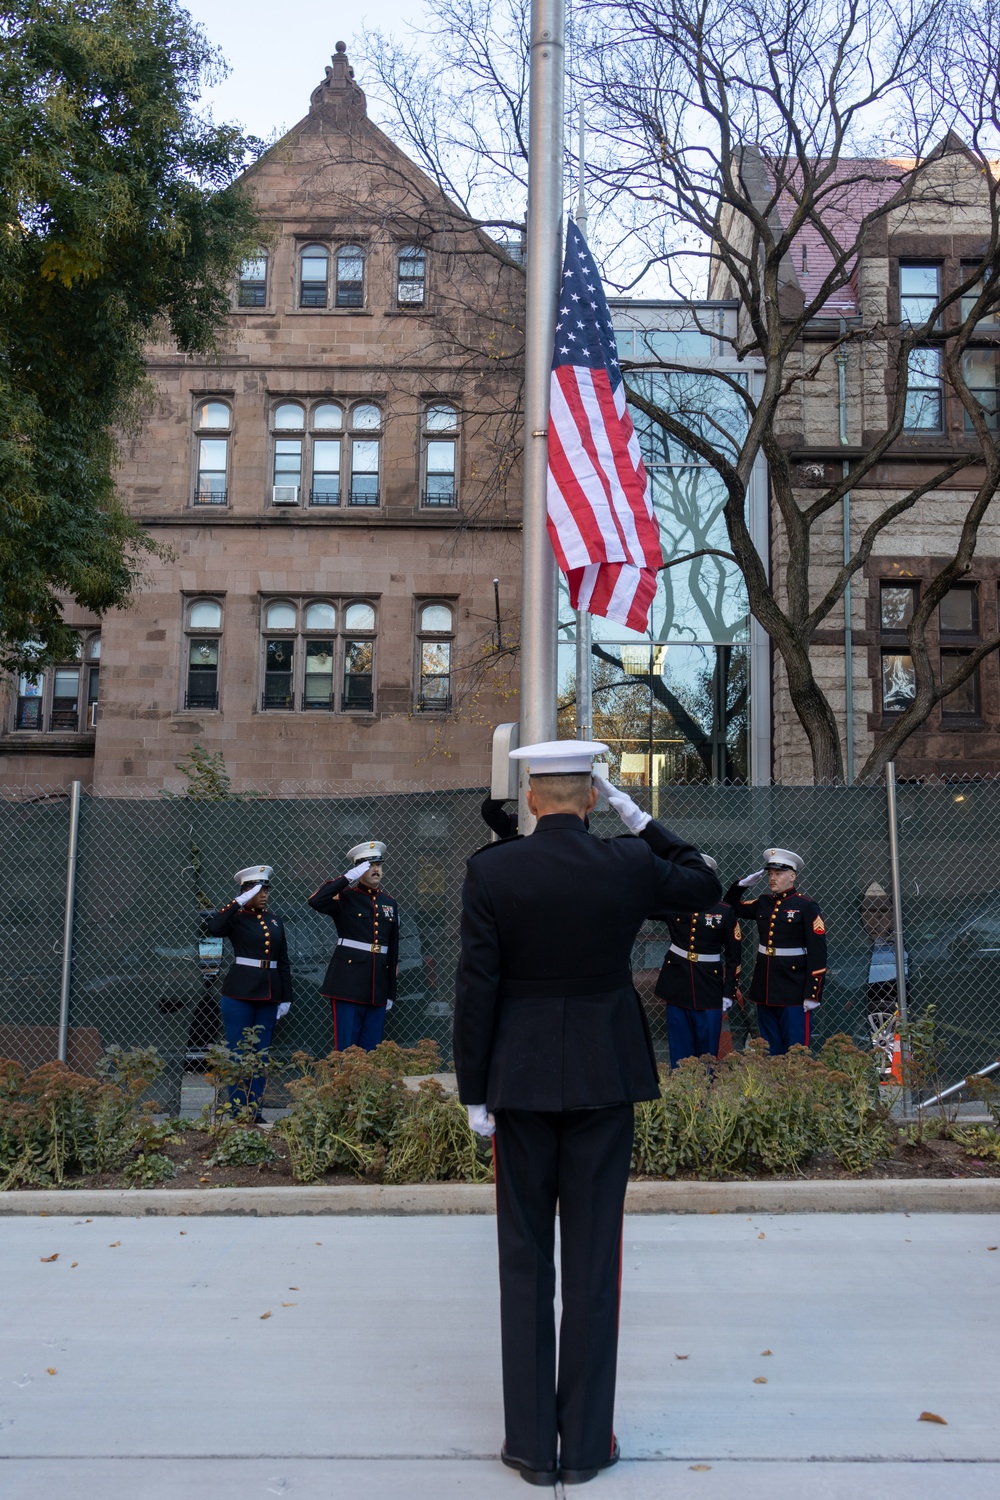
(359, 658)
(279, 659)
(899, 684)
(204, 614)
(958, 610)
(897, 601)
(671, 713)
(965, 699)
(319, 673)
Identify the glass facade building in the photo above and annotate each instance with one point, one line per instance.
(678, 703)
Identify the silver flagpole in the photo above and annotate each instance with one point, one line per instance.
(545, 205)
(584, 660)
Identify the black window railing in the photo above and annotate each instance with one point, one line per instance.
(211, 497)
(349, 294)
(312, 294)
(362, 497)
(358, 696)
(252, 294)
(201, 698)
(325, 495)
(441, 497)
(274, 697)
(64, 720)
(321, 705)
(433, 702)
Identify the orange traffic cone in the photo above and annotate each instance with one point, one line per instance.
(896, 1069)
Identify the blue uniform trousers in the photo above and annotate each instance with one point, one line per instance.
(237, 1015)
(692, 1033)
(357, 1025)
(783, 1026)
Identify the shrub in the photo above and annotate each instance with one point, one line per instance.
(752, 1113)
(434, 1143)
(55, 1123)
(149, 1168)
(238, 1147)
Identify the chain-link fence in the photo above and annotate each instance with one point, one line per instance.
(142, 974)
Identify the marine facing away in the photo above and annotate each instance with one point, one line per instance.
(552, 1046)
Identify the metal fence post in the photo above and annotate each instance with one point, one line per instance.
(67, 953)
(897, 905)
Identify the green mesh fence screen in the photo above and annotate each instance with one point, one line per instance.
(148, 864)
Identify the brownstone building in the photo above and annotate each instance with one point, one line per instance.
(335, 494)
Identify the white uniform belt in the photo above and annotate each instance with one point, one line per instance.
(781, 952)
(696, 958)
(257, 963)
(365, 947)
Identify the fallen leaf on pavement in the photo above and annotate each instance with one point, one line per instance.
(682, 1356)
(45, 1259)
(319, 1242)
(760, 1380)
(73, 1265)
(931, 1416)
(114, 1244)
(295, 1289)
(50, 1371)
(289, 1304)
(700, 1468)
(765, 1352)
(183, 1231)
(264, 1315)
(993, 1247)
(762, 1235)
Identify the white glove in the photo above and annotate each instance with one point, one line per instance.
(247, 895)
(810, 1005)
(283, 1009)
(356, 871)
(630, 813)
(726, 1005)
(388, 1005)
(481, 1122)
(750, 879)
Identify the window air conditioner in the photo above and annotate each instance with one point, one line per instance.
(285, 494)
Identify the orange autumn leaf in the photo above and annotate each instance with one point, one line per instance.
(50, 1371)
(700, 1468)
(264, 1315)
(760, 1380)
(114, 1244)
(932, 1416)
(289, 1304)
(764, 1353)
(47, 1259)
(762, 1235)
(73, 1265)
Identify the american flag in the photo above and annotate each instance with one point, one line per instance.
(600, 515)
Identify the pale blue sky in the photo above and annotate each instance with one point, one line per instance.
(277, 55)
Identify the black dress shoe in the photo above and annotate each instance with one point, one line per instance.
(581, 1476)
(527, 1473)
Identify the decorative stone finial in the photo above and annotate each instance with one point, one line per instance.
(338, 96)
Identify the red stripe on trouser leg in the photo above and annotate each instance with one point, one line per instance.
(621, 1257)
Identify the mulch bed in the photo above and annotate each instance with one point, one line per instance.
(932, 1158)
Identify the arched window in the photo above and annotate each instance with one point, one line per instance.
(435, 626)
(286, 483)
(253, 280)
(359, 617)
(314, 274)
(213, 420)
(350, 276)
(440, 442)
(411, 276)
(359, 660)
(327, 418)
(205, 614)
(281, 616)
(204, 627)
(366, 419)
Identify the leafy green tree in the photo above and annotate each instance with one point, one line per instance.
(121, 220)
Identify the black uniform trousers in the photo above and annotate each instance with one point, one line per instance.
(579, 1159)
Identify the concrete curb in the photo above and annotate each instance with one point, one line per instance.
(944, 1195)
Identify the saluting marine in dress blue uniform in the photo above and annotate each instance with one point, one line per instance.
(257, 990)
(360, 980)
(788, 976)
(699, 977)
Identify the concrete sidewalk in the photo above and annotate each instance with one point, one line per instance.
(380, 1380)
